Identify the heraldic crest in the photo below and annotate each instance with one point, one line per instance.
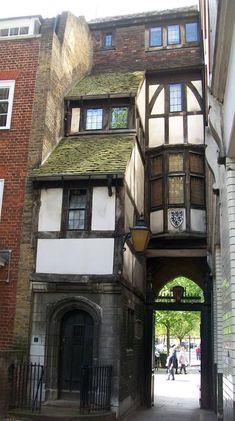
(176, 218)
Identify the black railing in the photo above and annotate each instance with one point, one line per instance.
(95, 394)
(26, 386)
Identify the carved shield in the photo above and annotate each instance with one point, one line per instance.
(176, 218)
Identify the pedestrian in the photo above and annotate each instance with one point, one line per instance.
(170, 367)
(198, 352)
(182, 361)
(175, 360)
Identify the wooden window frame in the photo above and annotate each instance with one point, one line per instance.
(194, 41)
(66, 208)
(8, 84)
(104, 45)
(106, 120)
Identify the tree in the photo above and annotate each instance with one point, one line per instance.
(179, 323)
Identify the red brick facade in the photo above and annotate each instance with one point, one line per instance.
(18, 61)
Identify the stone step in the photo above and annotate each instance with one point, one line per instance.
(54, 413)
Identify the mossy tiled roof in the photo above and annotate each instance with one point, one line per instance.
(107, 84)
(87, 155)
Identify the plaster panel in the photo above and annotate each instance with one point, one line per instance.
(198, 86)
(1, 195)
(152, 90)
(195, 129)
(159, 105)
(103, 209)
(129, 213)
(139, 181)
(192, 103)
(156, 221)
(156, 132)
(198, 220)
(75, 120)
(84, 256)
(127, 264)
(176, 134)
(141, 103)
(50, 210)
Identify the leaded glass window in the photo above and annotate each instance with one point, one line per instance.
(94, 119)
(197, 191)
(156, 193)
(191, 32)
(77, 209)
(196, 163)
(119, 118)
(173, 34)
(155, 37)
(176, 190)
(176, 162)
(175, 97)
(156, 165)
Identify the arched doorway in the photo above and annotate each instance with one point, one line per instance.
(160, 272)
(76, 350)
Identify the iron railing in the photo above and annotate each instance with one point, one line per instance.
(26, 386)
(95, 394)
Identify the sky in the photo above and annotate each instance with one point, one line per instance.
(90, 9)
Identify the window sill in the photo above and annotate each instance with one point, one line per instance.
(102, 132)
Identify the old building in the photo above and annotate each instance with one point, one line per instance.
(219, 37)
(36, 68)
(108, 143)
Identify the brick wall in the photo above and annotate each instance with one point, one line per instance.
(130, 52)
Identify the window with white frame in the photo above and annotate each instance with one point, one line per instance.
(6, 102)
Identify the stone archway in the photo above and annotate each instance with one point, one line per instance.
(55, 314)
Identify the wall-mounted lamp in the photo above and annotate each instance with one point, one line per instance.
(139, 236)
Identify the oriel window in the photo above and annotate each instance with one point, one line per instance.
(191, 32)
(173, 34)
(175, 97)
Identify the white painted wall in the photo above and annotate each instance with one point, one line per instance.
(198, 220)
(159, 105)
(229, 103)
(1, 195)
(176, 134)
(152, 90)
(198, 86)
(50, 210)
(88, 256)
(156, 132)
(156, 221)
(103, 209)
(134, 179)
(75, 120)
(129, 213)
(141, 103)
(192, 103)
(195, 129)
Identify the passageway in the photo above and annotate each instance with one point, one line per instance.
(175, 400)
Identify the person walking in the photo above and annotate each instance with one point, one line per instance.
(182, 361)
(170, 367)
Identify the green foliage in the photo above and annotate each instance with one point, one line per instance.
(179, 323)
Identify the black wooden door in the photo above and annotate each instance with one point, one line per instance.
(76, 349)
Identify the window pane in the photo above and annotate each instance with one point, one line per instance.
(94, 119)
(175, 97)
(191, 32)
(176, 190)
(77, 209)
(3, 107)
(108, 40)
(14, 31)
(119, 118)
(176, 162)
(197, 191)
(4, 93)
(24, 30)
(4, 32)
(156, 192)
(3, 120)
(173, 34)
(196, 163)
(155, 37)
(156, 165)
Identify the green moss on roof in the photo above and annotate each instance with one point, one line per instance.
(107, 84)
(88, 155)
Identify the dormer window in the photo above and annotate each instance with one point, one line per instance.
(173, 34)
(94, 119)
(119, 118)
